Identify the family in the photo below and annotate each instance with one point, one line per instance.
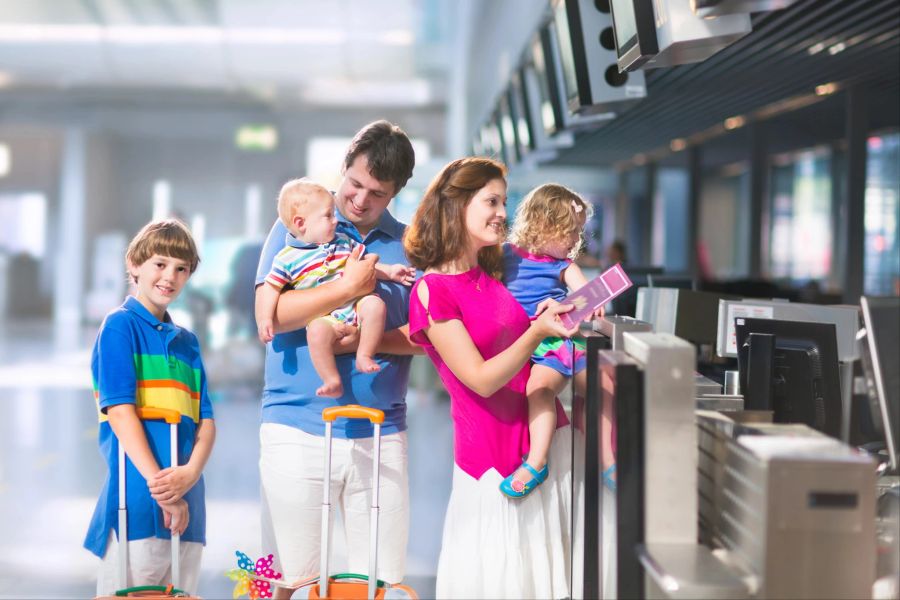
(345, 296)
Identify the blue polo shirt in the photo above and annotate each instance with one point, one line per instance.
(138, 359)
(289, 395)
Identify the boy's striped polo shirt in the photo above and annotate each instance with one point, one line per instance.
(138, 359)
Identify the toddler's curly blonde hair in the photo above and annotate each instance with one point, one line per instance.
(549, 213)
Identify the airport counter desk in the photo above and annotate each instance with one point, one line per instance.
(678, 492)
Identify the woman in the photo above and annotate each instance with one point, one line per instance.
(480, 339)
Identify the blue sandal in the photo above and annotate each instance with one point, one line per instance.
(608, 480)
(514, 488)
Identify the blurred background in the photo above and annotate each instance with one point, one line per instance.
(740, 172)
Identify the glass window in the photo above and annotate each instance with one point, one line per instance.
(670, 222)
(724, 221)
(882, 245)
(800, 216)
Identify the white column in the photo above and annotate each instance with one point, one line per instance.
(68, 290)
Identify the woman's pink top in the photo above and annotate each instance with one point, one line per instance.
(488, 432)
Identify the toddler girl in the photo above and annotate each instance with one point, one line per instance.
(538, 264)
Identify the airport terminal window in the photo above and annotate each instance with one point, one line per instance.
(670, 209)
(724, 225)
(17, 211)
(882, 245)
(800, 216)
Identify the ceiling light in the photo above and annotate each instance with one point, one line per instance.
(678, 144)
(815, 48)
(345, 92)
(734, 122)
(826, 89)
(839, 47)
(5, 160)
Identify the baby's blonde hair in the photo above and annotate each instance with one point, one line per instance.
(548, 213)
(296, 198)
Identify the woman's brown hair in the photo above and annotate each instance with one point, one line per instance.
(437, 234)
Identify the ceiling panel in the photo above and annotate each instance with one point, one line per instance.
(286, 48)
(787, 54)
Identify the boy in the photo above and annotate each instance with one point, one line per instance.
(313, 255)
(142, 359)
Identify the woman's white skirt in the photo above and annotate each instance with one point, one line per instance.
(500, 547)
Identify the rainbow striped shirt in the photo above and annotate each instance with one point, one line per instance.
(301, 265)
(138, 359)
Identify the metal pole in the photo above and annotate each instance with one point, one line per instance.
(123, 522)
(326, 514)
(373, 518)
(176, 537)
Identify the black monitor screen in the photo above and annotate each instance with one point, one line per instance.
(518, 102)
(801, 362)
(566, 53)
(881, 317)
(507, 131)
(624, 24)
(547, 100)
(490, 140)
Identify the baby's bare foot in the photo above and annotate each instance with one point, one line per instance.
(331, 389)
(365, 364)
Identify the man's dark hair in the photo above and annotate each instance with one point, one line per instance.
(388, 151)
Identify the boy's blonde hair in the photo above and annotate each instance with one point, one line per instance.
(296, 197)
(548, 213)
(167, 237)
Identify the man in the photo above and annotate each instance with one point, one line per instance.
(378, 163)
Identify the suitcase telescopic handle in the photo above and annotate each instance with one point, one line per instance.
(353, 411)
(376, 417)
(148, 413)
(173, 418)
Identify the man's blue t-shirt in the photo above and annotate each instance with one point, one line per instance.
(138, 359)
(289, 396)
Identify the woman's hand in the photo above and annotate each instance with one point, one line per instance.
(547, 321)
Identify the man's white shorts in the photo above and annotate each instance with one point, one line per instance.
(149, 563)
(291, 472)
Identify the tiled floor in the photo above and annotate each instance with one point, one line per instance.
(51, 472)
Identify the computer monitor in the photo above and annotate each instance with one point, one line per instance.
(682, 282)
(791, 368)
(518, 104)
(881, 319)
(507, 131)
(626, 304)
(635, 32)
(541, 61)
(491, 145)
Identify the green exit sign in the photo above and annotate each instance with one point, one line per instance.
(258, 138)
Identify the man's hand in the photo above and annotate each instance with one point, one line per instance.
(171, 484)
(176, 516)
(401, 274)
(359, 273)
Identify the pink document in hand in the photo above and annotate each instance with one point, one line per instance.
(595, 293)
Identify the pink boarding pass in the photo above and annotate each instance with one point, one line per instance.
(595, 293)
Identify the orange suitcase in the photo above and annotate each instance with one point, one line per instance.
(350, 585)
